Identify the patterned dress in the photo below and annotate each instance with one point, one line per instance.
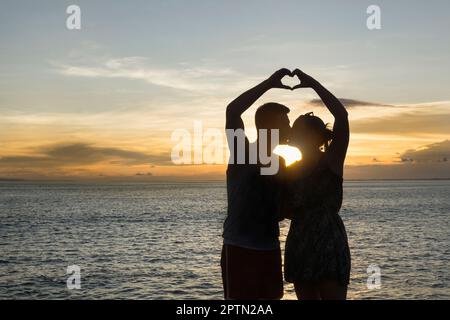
(316, 245)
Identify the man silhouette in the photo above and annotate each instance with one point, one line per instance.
(251, 257)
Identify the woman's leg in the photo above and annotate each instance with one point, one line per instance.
(306, 291)
(332, 290)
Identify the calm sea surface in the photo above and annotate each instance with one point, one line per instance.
(163, 241)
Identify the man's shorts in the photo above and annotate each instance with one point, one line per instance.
(251, 274)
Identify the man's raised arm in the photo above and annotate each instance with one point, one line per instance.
(239, 105)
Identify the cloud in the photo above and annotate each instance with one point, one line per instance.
(72, 154)
(406, 123)
(412, 119)
(143, 174)
(184, 77)
(436, 152)
(350, 103)
(426, 162)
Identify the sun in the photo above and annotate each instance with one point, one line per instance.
(290, 154)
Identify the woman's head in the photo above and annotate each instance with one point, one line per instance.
(309, 133)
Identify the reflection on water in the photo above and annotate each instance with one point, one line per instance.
(162, 241)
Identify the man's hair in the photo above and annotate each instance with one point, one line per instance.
(265, 114)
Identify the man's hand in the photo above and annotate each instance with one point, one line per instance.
(306, 81)
(239, 105)
(274, 80)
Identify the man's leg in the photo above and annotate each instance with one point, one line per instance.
(271, 275)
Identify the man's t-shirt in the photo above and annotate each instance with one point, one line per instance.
(253, 202)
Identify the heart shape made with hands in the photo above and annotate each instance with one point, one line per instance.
(291, 80)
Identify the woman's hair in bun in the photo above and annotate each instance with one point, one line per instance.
(316, 124)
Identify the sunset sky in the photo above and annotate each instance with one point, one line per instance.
(102, 102)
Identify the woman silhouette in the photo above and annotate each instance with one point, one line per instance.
(317, 256)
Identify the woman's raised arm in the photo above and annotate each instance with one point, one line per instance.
(341, 132)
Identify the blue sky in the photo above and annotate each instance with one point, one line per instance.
(254, 37)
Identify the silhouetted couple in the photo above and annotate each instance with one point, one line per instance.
(309, 193)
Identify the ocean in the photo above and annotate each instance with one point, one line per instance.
(163, 240)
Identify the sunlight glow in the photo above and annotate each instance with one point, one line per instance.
(290, 154)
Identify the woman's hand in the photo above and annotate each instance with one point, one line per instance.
(274, 81)
(306, 81)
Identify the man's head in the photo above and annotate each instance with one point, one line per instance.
(273, 116)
